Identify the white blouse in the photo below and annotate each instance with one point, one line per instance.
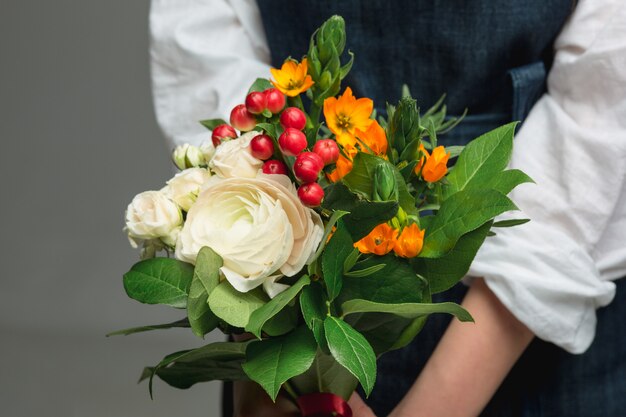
(553, 272)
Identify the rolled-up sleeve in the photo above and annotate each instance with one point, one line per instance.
(204, 56)
(554, 272)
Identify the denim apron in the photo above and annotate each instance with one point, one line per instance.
(490, 56)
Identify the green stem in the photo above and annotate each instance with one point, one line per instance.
(291, 391)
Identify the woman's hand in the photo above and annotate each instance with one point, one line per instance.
(359, 408)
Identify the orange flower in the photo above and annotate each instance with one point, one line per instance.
(410, 242)
(422, 159)
(347, 113)
(344, 163)
(380, 241)
(374, 139)
(435, 166)
(292, 78)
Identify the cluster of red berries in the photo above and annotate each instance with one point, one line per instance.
(292, 142)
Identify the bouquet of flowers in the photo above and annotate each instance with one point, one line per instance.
(322, 239)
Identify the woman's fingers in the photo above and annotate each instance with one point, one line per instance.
(359, 408)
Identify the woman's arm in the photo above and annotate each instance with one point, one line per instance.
(470, 361)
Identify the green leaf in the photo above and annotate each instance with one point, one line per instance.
(282, 323)
(510, 223)
(314, 311)
(260, 316)
(443, 273)
(482, 159)
(273, 361)
(334, 218)
(459, 214)
(269, 128)
(212, 123)
(260, 85)
(215, 361)
(507, 180)
(206, 276)
(235, 307)
(406, 310)
(352, 351)
(368, 214)
(360, 273)
(351, 260)
(338, 249)
(180, 323)
(159, 281)
(395, 283)
(326, 375)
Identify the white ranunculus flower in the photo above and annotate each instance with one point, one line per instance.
(188, 156)
(233, 158)
(257, 225)
(184, 188)
(207, 149)
(152, 215)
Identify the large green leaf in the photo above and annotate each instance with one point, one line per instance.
(260, 85)
(215, 361)
(505, 181)
(482, 159)
(381, 330)
(338, 249)
(459, 214)
(334, 218)
(360, 179)
(259, 317)
(352, 351)
(179, 323)
(314, 310)
(395, 283)
(271, 362)
(206, 276)
(159, 281)
(235, 307)
(443, 273)
(406, 310)
(326, 375)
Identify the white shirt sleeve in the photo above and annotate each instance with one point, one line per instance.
(554, 272)
(205, 54)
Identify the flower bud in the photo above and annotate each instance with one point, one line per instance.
(293, 117)
(436, 165)
(275, 100)
(256, 102)
(292, 142)
(332, 31)
(188, 156)
(274, 167)
(241, 119)
(262, 147)
(308, 166)
(328, 150)
(311, 194)
(222, 132)
(410, 242)
(385, 187)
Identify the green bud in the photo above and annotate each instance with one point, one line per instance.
(385, 187)
(334, 31)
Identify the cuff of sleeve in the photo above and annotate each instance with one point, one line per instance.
(547, 281)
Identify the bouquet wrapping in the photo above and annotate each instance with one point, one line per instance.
(314, 231)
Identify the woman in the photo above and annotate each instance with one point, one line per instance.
(544, 279)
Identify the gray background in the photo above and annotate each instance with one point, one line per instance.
(79, 139)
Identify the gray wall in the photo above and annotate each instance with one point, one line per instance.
(79, 139)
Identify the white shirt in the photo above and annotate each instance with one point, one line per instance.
(551, 273)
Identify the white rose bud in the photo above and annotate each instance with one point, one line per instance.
(184, 188)
(152, 215)
(188, 156)
(234, 158)
(208, 150)
(257, 225)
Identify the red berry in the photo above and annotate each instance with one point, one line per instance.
(293, 117)
(242, 119)
(311, 194)
(222, 132)
(292, 142)
(256, 102)
(275, 100)
(274, 167)
(308, 166)
(262, 147)
(328, 150)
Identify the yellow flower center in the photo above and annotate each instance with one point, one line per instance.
(343, 121)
